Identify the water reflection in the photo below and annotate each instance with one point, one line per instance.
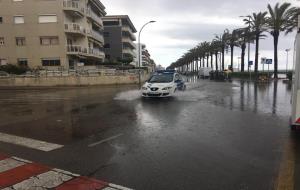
(273, 97)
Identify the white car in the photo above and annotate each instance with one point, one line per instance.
(163, 84)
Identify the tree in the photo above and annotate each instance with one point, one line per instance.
(258, 24)
(223, 39)
(232, 42)
(244, 36)
(279, 20)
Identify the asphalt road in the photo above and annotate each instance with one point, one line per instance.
(216, 135)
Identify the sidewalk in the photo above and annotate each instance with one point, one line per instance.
(19, 174)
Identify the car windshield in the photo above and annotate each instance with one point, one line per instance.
(161, 78)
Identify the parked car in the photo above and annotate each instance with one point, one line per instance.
(3, 74)
(163, 84)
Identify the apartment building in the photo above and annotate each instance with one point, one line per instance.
(51, 34)
(145, 57)
(119, 37)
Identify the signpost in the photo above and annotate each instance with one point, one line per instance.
(269, 62)
(250, 63)
(263, 61)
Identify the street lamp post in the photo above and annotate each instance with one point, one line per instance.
(139, 49)
(287, 60)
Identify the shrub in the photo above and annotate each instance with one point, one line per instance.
(14, 69)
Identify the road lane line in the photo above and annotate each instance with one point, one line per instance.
(29, 143)
(105, 140)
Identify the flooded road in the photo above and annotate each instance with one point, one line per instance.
(215, 135)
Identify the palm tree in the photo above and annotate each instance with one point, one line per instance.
(244, 36)
(223, 39)
(278, 21)
(257, 23)
(232, 42)
(215, 48)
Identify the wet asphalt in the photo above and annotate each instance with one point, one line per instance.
(215, 135)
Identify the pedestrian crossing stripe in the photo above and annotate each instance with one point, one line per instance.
(20, 174)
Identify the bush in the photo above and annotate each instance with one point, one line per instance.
(14, 69)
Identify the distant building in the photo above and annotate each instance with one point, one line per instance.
(59, 34)
(145, 57)
(119, 38)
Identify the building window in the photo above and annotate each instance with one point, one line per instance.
(49, 40)
(19, 19)
(50, 62)
(106, 34)
(47, 18)
(107, 46)
(2, 41)
(20, 41)
(23, 62)
(3, 62)
(1, 19)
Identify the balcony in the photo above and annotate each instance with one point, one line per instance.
(95, 35)
(75, 28)
(128, 32)
(128, 42)
(94, 17)
(73, 8)
(76, 50)
(96, 53)
(129, 51)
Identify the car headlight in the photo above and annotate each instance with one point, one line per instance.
(144, 88)
(167, 88)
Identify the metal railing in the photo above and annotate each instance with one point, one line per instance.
(94, 16)
(77, 49)
(74, 27)
(70, 4)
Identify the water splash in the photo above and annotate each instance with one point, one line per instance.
(128, 95)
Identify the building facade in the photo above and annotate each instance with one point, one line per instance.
(119, 38)
(145, 58)
(56, 34)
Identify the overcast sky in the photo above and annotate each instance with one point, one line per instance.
(182, 24)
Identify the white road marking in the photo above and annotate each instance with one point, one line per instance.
(29, 143)
(48, 180)
(105, 140)
(118, 187)
(9, 164)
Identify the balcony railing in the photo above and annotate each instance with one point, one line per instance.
(96, 35)
(74, 28)
(128, 41)
(128, 31)
(76, 49)
(94, 16)
(73, 5)
(95, 52)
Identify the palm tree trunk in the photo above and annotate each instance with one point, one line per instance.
(216, 54)
(211, 60)
(223, 59)
(203, 61)
(243, 58)
(231, 56)
(197, 64)
(207, 58)
(276, 36)
(256, 55)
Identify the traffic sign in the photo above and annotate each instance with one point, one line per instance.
(263, 60)
(250, 63)
(269, 61)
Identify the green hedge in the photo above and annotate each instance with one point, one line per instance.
(247, 74)
(14, 69)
